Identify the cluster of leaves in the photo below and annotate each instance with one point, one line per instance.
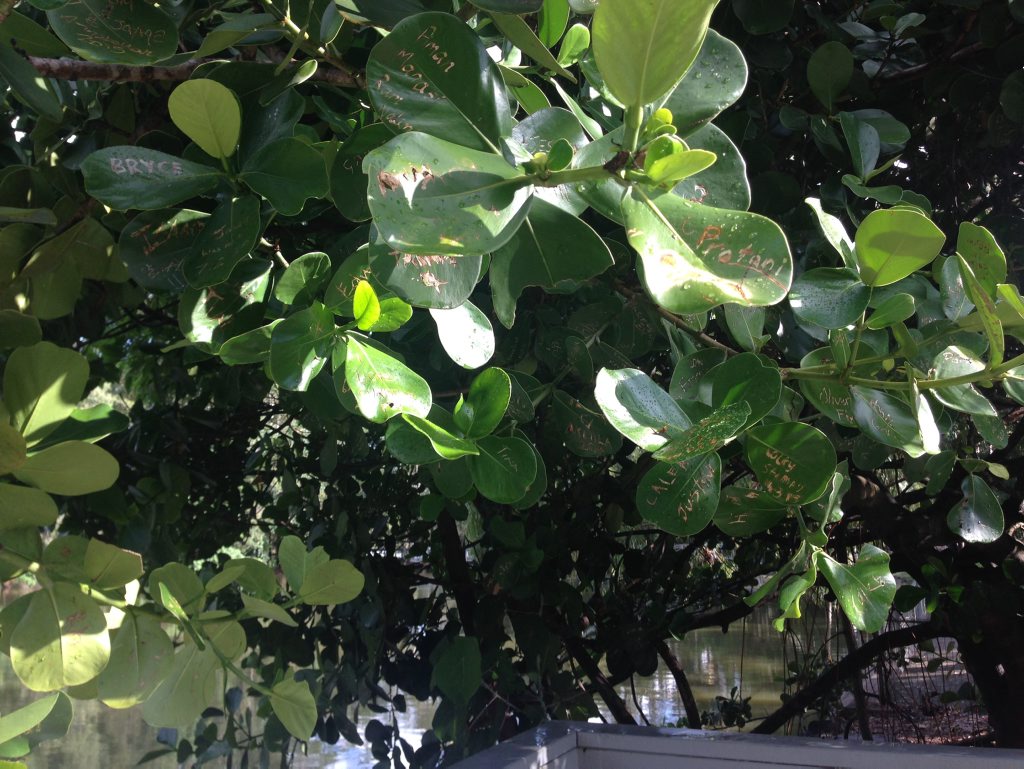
(297, 256)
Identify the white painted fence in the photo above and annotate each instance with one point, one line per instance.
(563, 745)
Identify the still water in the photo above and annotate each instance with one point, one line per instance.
(751, 656)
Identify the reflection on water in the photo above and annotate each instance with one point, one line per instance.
(751, 656)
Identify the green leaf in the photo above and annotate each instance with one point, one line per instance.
(831, 398)
(519, 33)
(695, 257)
(895, 243)
(829, 297)
(865, 590)
(639, 409)
(672, 168)
(509, 6)
(23, 729)
(443, 441)
(191, 684)
(42, 385)
(293, 704)
(33, 90)
(250, 347)
(300, 346)
(108, 566)
(154, 246)
(13, 450)
(61, 640)
(330, 583)
(434, 281)
(287, 172)
(304, 278)
(793, 462)
(227, 238)
(887, 419)
(709, 434)
(835, 233)
(71, 468)
(574, 45)
(955, 362)
(209, 114)
(32, 38)
(978, 517)
(724, 185)
(681, 498)
(714, 83)
(829, 71)
(140, 657)
(644, 47)
(458, 670)
(745, 379)
(127, 178)
(433, 75)
(746, 325)
(348, 182)
(382, 385)
(896, 309)
(131, 32)
(484, 406)
(584, 432)
(553, 249)
(18, 330)
(25, 507)
(183, 585)
(864, 143)
(987, 311)
(296, 562)
(745, 512)
(89, 425)
(466, 335)
(425, 200)
(257, 607)
(504, 469)
(365, 306)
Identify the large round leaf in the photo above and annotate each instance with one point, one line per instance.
(793, 462)
(300, 345)
(209, 114)
(25, 507)
(895, 243)
(681, 498)
(723, 185)
(466, 334)
(140, 656)
(643, 47)
(484, 406)
(227, 238)
(638, 408)
(70, 468)
(127, 32)
(425, 200)
(744, 512)
(553, 249)
(829, 297)
(42, 385)
(695, 257)
(12, 449)
(287, 173)
(383, 386)
(887, 419)
(61, 640)
(333, 582)
(978, 517)
(434, 281)
(541, 132)
(154, 246)
(714, 83)
(954, 362)
(504, 470)
(745, 379)
(865, 590)
(294, 705)
(127, 178)
(432, 74)
(833, 399)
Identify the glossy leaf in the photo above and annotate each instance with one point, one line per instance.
(887, 419)
(209, 114)
(226, 239)
(978, 517)
(979, 249)
(25, 507)
(433, 281)
(154, 246)
(504, 469)
(132, 32)
(287, 173)
(553, 249)
(709, 434)
(333, 582)
(466, 335)
(895, 243)
(639, 409)
(834, 400)
(744, 379)
(987, 311)
(714, 83)
(745, 512)
(681, 498)
(42, 385)
(383, 386)
(300, 345)
(829, 71)
(955, 362)
(829, 297)
(424, 201)
(896, 309)
(484, 406)
(304, 278)
(443, 441)
(126, 178)
(458, 670)
(433, 75)
(793, 462)
(865, 590)
(695, 257)
(644, 47)
(23, 729)
(107, 566)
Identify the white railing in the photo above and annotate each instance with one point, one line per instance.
(563, 745)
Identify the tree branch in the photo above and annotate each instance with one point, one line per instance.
(682, 684)
(849, 666)
(74, 69)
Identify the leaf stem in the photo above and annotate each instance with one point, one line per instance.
(572, 176)
(634, 122)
